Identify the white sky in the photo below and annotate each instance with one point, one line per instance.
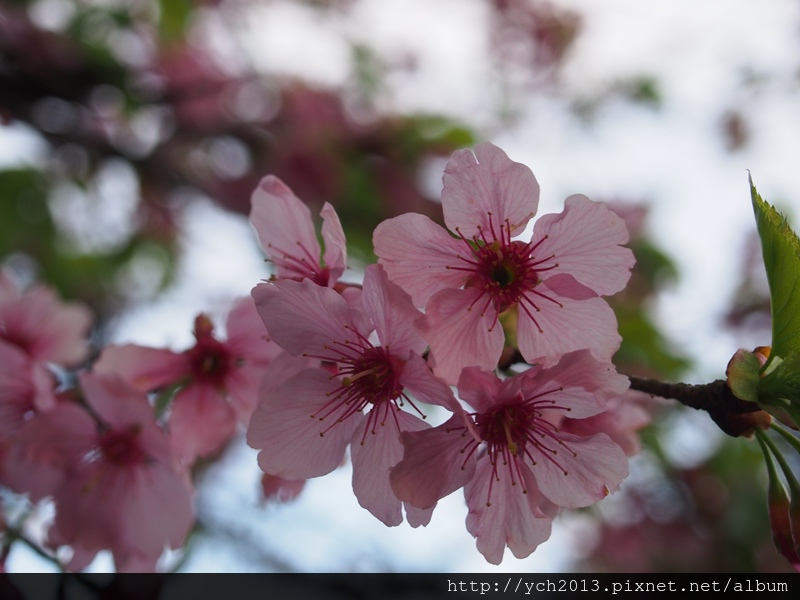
(700, 53)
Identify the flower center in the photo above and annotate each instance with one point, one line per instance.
(369, 377)
(210, 360)
(506, 272)
(517, 432)
(122, 447)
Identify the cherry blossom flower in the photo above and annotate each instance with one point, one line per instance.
(286, 232)
(44, 327)
(511, 458)
(311, 320)
(112, 475)
(544, 291)
(25, 387)
(217, 381)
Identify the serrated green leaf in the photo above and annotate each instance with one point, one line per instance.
(781, 249)
(779, 390)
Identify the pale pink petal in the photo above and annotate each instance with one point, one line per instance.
(302, 316)
(417, 517)
(375, 450)
(85, 519)
(335, 256)
(247, 334)
(284, 367)
(433, 464)
(200, 423)
(460, 333)
(144, 369)
(418, 379)
(276, 489)
(115, 402)
(582, 471)
(584, 241)
(392, 312)
(45, 327)
(575, 325)
(579, 384)
(285, 229)
(479, 388)
(512, 519)
(243, 384)
(156, 510)
(24, 386)
(621, 422)
(293, 444)
(419, 255)
(44, 446)
(488, 183)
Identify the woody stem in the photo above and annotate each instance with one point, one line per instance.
(734, 416)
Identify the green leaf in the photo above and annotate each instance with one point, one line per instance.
(779, 390)
(781, 249)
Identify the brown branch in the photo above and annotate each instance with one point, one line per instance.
(734, 416)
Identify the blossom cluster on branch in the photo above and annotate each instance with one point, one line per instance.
(442, 308)
(313, 366)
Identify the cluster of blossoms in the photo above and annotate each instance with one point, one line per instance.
(115, 451)
(516, 323)
(501, 335)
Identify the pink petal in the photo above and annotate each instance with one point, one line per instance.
(156, 510)
(285, 229)
(335, 256)
(392, 312)
(579, 382)
(47, 329)
(374, 450)
(142, 368)
(280, 490)
(417, 255)
(433, 464)
(302, 316)
(460, 333)
(293, 444)
(621, 422)
(242, 385)
(594, 468)
(575, 325)
(479, 388)
(115, 401)
(247, 334)
(44, 446)
(487, 183)
(513, 518)
(418, 379)
(585, 241)
(200, 423)
(24, 386)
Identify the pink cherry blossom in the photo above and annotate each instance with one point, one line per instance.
(217, 380)
(510, 456)
(115, 483)
(545, 290)
(44, 327)
(286, 232)
(375, 374)
(26, 386)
